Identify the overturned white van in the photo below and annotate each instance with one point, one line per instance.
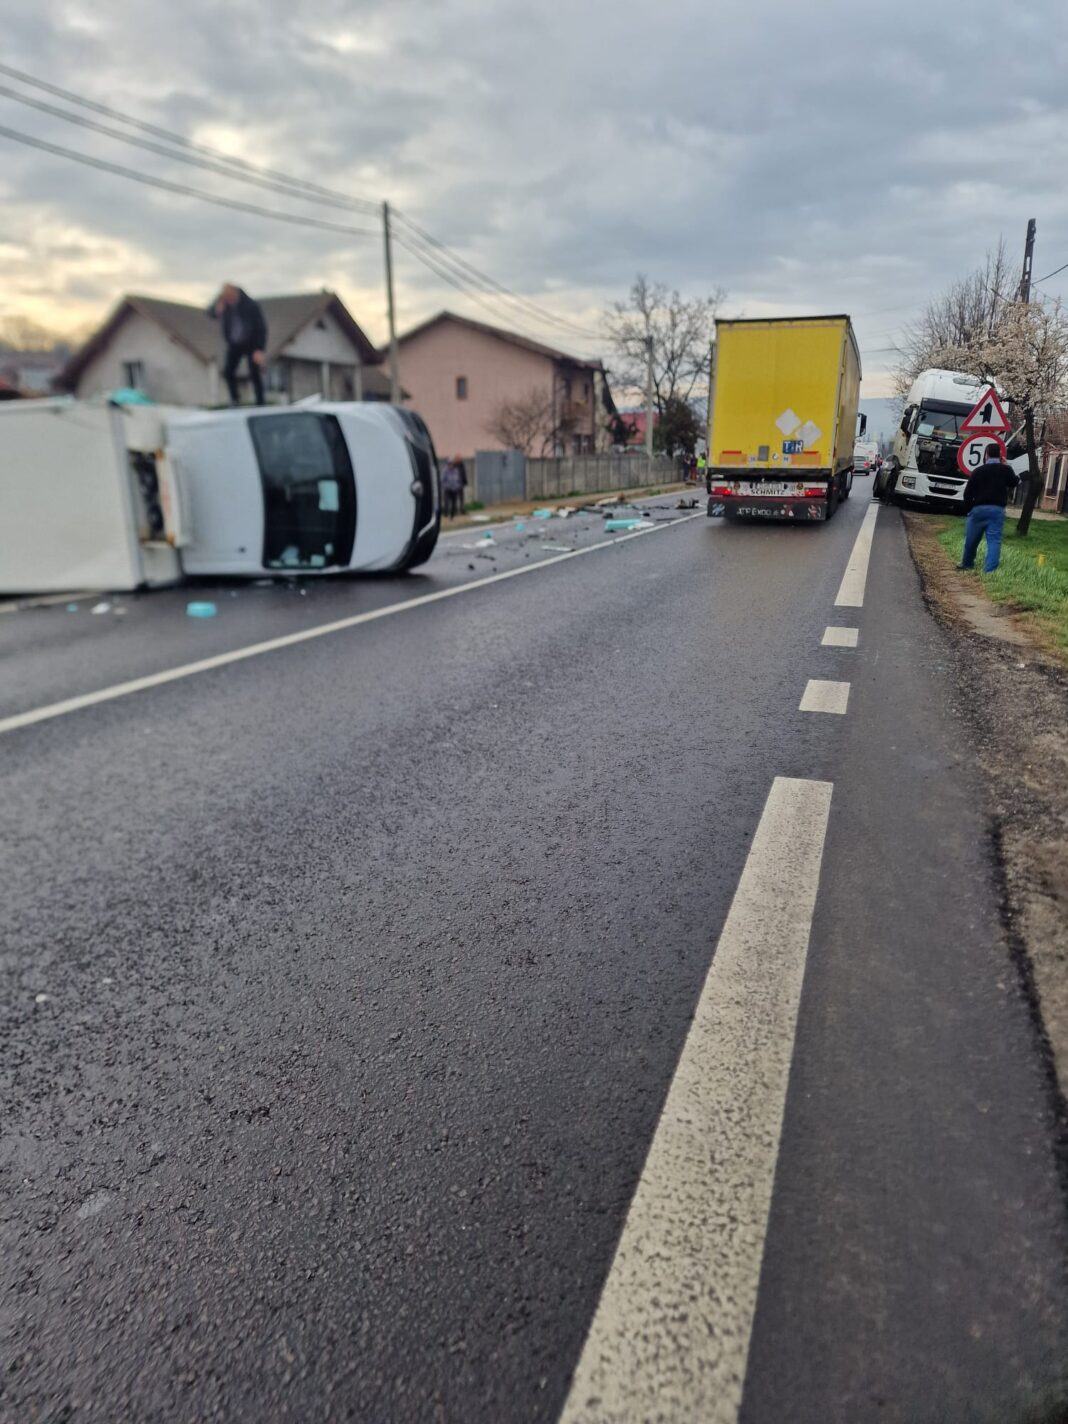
(97, 495)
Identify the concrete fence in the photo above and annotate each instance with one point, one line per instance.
(496, 476)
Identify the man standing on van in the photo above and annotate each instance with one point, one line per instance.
(245, 333)
(985, 496)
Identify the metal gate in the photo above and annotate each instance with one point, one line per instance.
(500, 476)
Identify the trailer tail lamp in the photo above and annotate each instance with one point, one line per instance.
(813, 491)
(721, 491)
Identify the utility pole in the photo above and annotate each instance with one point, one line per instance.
(1034, 479)
(394, 363)
(649, 399)
(1029, 252)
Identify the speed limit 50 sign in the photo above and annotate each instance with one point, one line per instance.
(974, 451)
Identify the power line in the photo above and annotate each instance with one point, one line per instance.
(213, 160)
(296, 219)
(1054, 273)
(366, 204)
(489, 282)
(209, 164)
(446, 276)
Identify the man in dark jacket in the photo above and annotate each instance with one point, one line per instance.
(245, 333)
(985, 496)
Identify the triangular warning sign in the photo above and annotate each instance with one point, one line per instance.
(988, 417)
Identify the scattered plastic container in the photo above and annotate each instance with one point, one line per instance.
(542, 514)
(613, 524)
(201, 610)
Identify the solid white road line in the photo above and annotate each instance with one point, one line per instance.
(840, 637)
(289, 640)
(670, 1337)
(822, 696)
(851, 592)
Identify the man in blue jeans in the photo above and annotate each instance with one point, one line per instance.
(985, 496)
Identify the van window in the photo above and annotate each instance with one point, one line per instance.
(309, 490)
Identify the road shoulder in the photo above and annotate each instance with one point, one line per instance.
(1014, 693)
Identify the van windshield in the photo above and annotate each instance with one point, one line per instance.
(941, 420)
(309, 491)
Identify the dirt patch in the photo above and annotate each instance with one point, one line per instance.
(1015, 692)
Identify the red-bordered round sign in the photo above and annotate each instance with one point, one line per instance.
(972, 454)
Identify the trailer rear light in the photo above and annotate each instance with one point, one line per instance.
(721, 491)
(813, 491)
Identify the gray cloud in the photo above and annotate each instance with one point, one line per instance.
(849, 156)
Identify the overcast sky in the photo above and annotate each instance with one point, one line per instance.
(837, 155)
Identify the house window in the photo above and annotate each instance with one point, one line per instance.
(276, 379)
(1056, 469)
(133, 375)
(461, 387)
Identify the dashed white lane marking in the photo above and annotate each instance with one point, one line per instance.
(851, 591)
(822, 696)
(840, 637)
(670, 1337)
(289, 640)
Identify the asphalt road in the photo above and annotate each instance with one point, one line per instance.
(344, 986)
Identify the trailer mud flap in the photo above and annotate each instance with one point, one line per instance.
(715, 508)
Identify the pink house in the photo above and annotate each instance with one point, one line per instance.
(463, 375)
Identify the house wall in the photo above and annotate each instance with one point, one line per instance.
(172, 374)
(430, 362)
(321, 340)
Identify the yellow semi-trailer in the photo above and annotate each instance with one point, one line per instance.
(782, 417)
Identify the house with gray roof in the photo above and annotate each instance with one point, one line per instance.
(174, 353)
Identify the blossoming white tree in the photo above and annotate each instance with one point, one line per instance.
(1024, 354)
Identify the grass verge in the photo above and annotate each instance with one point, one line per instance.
(1032, 576)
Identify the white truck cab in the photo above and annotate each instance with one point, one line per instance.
(923, 466)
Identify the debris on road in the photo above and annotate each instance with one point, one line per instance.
(557, 548)
(479, 518)
(542, 514)
(199, 610)
(72, 608)
(635, 522)
(104, 607)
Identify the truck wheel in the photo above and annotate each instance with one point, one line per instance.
(848, 485)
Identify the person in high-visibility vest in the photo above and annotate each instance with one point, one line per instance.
(702, 468)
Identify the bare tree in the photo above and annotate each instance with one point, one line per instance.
(964, 315)
(525, 422)
(1024, 354)
(681, 330)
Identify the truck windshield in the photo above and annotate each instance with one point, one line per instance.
(309, 491)
(941, 421)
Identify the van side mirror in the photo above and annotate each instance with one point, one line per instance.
(863, 425)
